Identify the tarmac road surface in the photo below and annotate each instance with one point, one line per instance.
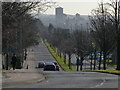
(63, 79)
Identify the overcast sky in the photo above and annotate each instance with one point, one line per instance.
(83, 7)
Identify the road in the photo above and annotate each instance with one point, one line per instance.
(63, 79)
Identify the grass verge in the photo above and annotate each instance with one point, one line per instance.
(59, 59)
(66, 68)
(117, 72)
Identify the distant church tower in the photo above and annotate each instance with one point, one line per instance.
(59, 17)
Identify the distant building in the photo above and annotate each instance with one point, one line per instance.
(65, 21)
(59, 12)
(59, 17)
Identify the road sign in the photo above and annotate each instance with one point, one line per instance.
(11, 50)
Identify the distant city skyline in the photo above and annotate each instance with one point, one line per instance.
(75, 6)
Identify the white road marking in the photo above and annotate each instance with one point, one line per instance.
(96, 86)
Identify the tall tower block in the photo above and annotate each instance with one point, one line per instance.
(59, 17)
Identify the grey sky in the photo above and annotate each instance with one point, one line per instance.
(72, 7)
(83, 7)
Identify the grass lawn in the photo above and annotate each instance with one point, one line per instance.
(108, 61)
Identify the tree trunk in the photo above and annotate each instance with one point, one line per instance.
(100, 61)
(81, 63)
(64, 58)
(118, 53)
(118, 34)
(69, 64)
(94, 59)
(25, 54)
(6, 61)
(77, 63)
(77, 67)
(91, 62)
(104, 60)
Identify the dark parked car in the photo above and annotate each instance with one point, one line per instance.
(57, 66)
(41, 64)
(49, 66)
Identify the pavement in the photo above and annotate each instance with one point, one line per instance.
(17, 77)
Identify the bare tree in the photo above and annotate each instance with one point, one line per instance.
(81, 44)
(68, 49)
(114, 16)
(102, 31)
(16, 20)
